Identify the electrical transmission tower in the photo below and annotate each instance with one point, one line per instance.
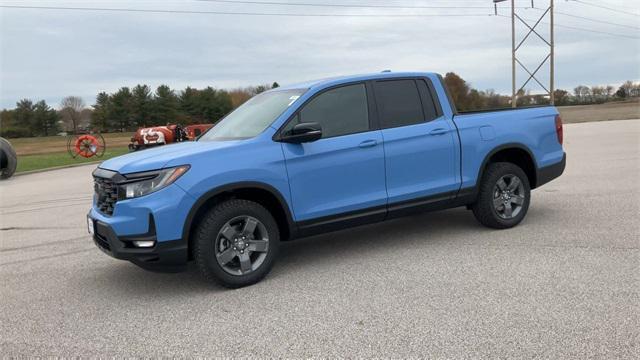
(514, 49)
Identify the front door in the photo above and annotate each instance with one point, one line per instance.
(342, 173)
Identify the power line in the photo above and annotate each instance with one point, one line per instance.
(231, 12)
(581, 29)
(281, 3)
(593, 19)
(607, 8)
(160, 11)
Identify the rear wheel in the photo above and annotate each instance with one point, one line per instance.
(504, 196)
(236, 243)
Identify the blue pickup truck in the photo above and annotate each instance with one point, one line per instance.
(316, 157)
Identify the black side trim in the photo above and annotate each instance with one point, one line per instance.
(551, 172)
(341, 221)
(380, 213)
(237, 186)
(427, 203)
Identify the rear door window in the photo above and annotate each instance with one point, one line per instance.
(398, 103)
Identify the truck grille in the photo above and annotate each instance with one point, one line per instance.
(106, 194)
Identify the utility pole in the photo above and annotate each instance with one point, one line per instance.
(514, 49)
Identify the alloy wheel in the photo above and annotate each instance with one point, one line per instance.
(508, 196)
(241, 245)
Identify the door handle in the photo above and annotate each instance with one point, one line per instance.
(438, 131)
(368, 143)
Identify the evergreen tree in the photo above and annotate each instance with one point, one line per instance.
(142, 105)
(165, 106)
(101, 111)
(121, 114)
(24, 116)
(191, 105)
(45, 119)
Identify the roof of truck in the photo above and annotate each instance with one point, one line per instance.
(349, 78)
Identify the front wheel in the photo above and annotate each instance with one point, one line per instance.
(236, 243)
(504, 195)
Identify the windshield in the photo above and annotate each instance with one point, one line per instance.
(254, 116)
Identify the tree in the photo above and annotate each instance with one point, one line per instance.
(275, 85)
(165, 105)
(581, 93)
(190, 104)
(215, 104)
(71, 106)
(627, 87)
(561, 97)
(24, 116)
(45, 119)
(101, 111)
(142, 105)
(239, 96)
(609, 90)
(459, 90)
(121, 114)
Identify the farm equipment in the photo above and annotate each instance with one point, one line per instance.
(8, 159)
(86, 145)
(163, 135)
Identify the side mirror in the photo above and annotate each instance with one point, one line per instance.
(303, 132)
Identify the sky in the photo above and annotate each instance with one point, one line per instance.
(52, 53)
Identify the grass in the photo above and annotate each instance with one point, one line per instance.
(58, 144)
(43, 161)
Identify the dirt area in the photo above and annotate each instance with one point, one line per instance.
(602, 112)
(58, 144)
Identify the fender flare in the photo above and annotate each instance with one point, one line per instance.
(499, 148)
(238, 186)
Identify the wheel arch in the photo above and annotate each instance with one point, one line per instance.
(264, 194)
(516, 153)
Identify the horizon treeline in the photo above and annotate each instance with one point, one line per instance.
(130, 108)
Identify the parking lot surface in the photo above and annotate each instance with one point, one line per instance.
(563, 284)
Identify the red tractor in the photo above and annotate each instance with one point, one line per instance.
(162, 135)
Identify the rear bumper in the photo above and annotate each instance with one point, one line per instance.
(163, 256)
(551, 172)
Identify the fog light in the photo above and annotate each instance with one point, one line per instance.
(144, 244)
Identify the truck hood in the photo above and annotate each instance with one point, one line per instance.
(157, 158)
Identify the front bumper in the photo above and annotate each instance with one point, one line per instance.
(163, 256)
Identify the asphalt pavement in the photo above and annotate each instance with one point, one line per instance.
(563, 284)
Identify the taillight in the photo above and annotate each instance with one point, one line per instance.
(559, 128)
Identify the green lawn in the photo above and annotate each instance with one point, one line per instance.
(43, 161)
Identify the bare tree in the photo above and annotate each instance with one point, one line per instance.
(71, 108)
(610, 91)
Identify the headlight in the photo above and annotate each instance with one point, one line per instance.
(141, 184)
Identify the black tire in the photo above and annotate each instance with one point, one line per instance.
(8, 159)
(485, 210)
(207, 239)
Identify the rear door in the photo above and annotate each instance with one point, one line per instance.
(418, 142)
(343, 172)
